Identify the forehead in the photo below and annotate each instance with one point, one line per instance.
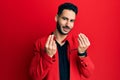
(68, 13)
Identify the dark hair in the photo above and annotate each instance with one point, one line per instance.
(68, 6)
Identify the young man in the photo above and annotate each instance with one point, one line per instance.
(61, 56)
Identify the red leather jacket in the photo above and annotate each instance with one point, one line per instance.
(44, 67)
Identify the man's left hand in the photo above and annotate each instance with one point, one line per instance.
(84, 43)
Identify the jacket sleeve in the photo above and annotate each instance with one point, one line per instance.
(41, 62)
(86, 67)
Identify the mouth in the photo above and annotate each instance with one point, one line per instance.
(66, 29)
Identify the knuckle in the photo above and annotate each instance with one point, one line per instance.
(84, 46)
(46, 46)
(81, 46)
(88, 44)
(54, 48)
(50, 47)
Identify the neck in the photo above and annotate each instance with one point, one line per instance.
(59, 37)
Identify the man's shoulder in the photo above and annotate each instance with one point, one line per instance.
(40, 42)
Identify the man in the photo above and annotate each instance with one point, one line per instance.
(61, 56)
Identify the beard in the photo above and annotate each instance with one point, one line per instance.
(60, 30)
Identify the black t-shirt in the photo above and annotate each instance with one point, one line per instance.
(64, 67)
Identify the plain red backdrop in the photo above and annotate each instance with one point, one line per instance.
(22, 22)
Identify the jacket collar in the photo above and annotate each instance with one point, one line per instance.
(72, 41)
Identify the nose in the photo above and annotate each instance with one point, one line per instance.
(68, 23)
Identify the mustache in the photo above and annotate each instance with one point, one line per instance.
(66, 27)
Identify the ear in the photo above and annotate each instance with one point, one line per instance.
(56, 18)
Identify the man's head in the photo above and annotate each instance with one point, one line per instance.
(68, 6)
(65, 17)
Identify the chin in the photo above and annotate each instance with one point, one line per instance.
(65, 33)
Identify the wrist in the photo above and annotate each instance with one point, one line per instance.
(82, 54)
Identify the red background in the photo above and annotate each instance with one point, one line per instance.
(22, 22)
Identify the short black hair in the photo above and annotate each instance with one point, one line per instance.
(68, 6)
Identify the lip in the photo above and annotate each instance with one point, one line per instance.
(66, 29)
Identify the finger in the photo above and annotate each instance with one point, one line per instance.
(54, 45)
(48, 40)
(81, 40)
(86, 40)
(51, 41)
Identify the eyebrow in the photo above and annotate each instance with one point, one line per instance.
(67, 18)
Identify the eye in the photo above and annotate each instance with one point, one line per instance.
(72, 20)
(64, 18)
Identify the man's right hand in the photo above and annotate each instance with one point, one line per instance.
(50, 46)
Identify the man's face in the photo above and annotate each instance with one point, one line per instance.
(65, 21)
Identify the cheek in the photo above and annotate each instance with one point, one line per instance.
(72, 25)
(62, 23)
